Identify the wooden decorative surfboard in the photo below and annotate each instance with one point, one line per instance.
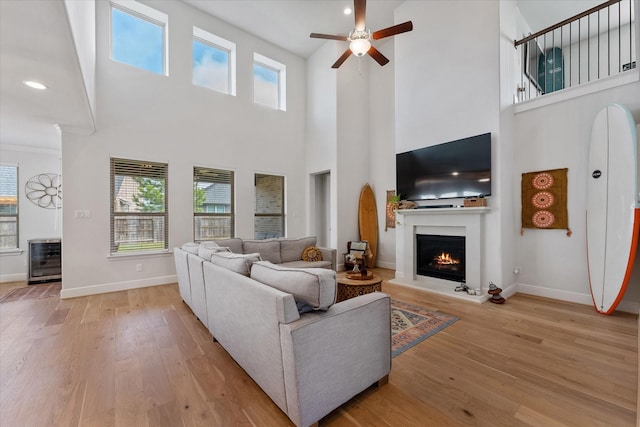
(613, 206)
(368, 222)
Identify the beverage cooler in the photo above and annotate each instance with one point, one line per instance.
(45, 260)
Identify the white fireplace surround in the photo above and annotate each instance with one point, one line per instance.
(467, 222)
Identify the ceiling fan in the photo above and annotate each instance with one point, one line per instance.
(360, 38)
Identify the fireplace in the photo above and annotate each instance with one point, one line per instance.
(442, 257)
(460, 222)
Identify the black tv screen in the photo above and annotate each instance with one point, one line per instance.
(454, 169)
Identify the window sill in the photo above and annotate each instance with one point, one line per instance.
(11, 252)
(134, 255)
(621, 79)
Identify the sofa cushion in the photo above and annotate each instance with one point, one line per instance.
(191, 247)
(269, 249)
(234, 245)
(239, 263)
(206, 249)
(291, 249)
(315, 287)
(307, 264)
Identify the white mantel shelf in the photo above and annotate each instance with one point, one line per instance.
(458, 221)
(445, 211)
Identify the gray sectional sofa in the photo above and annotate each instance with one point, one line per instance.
(282, 326)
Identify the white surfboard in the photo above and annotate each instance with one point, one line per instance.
(613, 206)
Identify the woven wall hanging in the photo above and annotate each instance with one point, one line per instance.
(390, 214)
(544, 200)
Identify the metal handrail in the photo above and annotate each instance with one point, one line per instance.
(581, 15)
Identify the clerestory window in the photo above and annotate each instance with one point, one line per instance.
(139, 36)
(214, 62)
(269, 82)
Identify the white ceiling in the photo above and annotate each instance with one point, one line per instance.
(288, 23)
(36, 43)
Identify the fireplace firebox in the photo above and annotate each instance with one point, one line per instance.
(442, 257)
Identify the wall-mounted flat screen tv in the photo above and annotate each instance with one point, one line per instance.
(454, 169)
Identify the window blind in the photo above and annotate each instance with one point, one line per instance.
(9, 230)
(213, 204)
(269, 217)
(139, 214)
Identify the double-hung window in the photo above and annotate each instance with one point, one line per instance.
(139, 214)
(8, 207)
(269, 82)
(214, 62)
(213, 204)
(139, 36)
(269, 211)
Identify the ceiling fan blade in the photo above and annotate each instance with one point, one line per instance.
(377, 56)
(392, 31)
(328, 36)
(359, 13)
(342, 58)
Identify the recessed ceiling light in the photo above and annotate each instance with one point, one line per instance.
(347, 11)
(34, 85)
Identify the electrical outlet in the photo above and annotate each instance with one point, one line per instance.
(138, 267)
(516, 270)
(82, 214)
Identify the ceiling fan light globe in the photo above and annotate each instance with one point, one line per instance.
(360, 47)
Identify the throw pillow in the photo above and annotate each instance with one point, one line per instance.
(191, 247)
(234, 244)
(290, 249)
(205, 250)
(311, 254)
(239, 263)
(315, 287)
(269, 249)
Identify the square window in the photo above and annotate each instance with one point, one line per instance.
(138, 36)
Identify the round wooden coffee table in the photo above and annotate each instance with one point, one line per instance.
(350, 288)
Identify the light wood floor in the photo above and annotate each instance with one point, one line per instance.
(140, 358)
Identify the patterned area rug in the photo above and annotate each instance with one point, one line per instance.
(42, 290)
(412, 324)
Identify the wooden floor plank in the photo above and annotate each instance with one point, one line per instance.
(141, 358)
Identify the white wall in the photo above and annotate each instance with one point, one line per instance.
(81, 15)
(382, 162)
(338, 135)
(353, 145)
(34, 222)
(447, 87)
(321, 133)
(557, 136)
(146, 116)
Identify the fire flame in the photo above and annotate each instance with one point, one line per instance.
(445, 259)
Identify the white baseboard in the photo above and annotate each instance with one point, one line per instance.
(386, 264)
(18, 277)
(116, 286)
(585, 299)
